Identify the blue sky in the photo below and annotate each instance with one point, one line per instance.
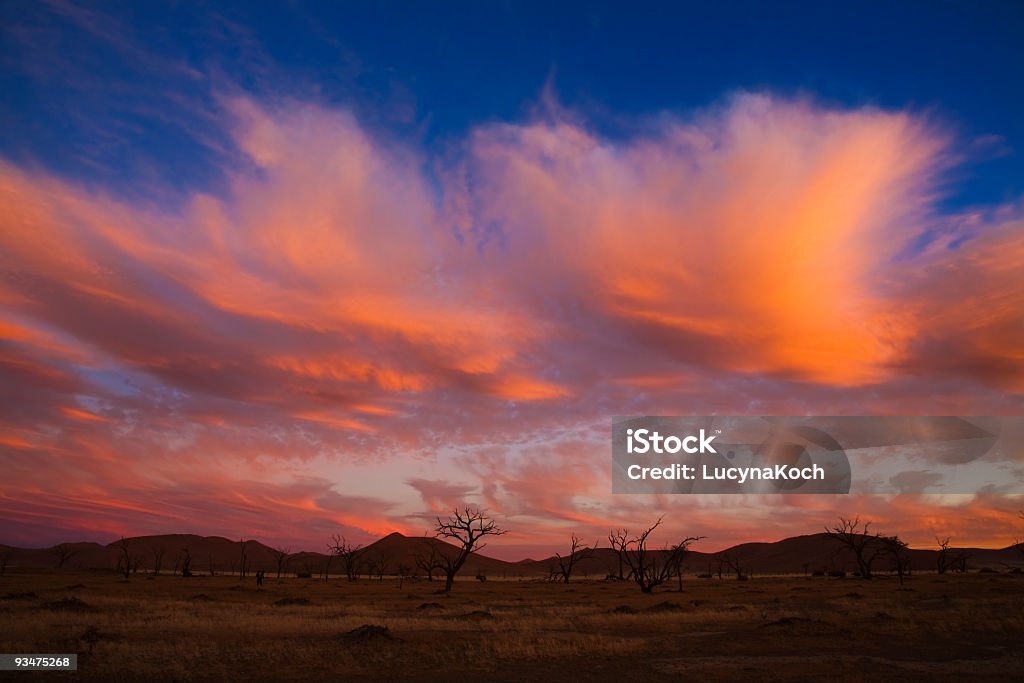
(126, 96)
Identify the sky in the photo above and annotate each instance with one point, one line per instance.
(285, 270)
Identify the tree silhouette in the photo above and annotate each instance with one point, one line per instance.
(731, 561)
(186, 563)
(651, 568)
(64, 553)
(942, 559)
(379, 565)
(349, 554)
(897, 550)
(127, 562)
(158, 557)
(577, 551)
(466, 527)
(281, 556)
(429, 561)
(1017, 541)
(618, 539)
(243, 563)
(854, 535)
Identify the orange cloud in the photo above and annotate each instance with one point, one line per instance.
(752, 242)
(347, 299)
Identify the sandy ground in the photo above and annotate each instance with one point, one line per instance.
(167, 628)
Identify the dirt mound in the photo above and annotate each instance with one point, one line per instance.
(430, 606)
(286, 602)
(477, 614)
(625, 609)
(68, 605)
(74, 587)
(201, 597)
(369, 632)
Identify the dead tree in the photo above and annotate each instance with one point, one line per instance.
(618, 539)
(678, 556)
(732, 562)
(942, 559)
(466, 527)
(577, 551)
(404, 572)
(430, 561)
(281, 556)
(651, 568)
(898, 551)
(186, 563)
(158, 557)
(5, 558)
(379, 565)
(1017, 541)
(855, 536)
(243, 562)
(350, 555)
(64, 553)
(959, 563)
(127, 561)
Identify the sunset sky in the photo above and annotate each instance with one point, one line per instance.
(279, 271)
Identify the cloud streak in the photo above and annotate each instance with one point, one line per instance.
(354, 312)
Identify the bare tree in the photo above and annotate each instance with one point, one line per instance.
(855, 536)
(64, 553)
(186, 563)
(350, 555)
(404, 572)
(942, 559)
(281, 556)
(618, 539)
(732, 562)
(128, 561)
(158, 557)
(651, 568)
(677, 556)
(959, 563)
(898, 551)
(1017, 541)
(243, 561)
(379, 565)
(430, 561)
(577, 551)
(5, 558)
(466, 527)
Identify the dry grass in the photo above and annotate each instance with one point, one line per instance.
(214, 628)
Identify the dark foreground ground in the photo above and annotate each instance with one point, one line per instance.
(790, 629)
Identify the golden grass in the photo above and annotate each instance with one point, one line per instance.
(162, 629)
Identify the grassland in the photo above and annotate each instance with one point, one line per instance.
(168, 628)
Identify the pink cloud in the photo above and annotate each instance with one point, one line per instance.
(317, 347)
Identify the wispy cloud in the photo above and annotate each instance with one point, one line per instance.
(354, 313)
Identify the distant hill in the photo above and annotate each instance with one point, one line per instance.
(396, 553)
(218, 555)
(796, 555)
